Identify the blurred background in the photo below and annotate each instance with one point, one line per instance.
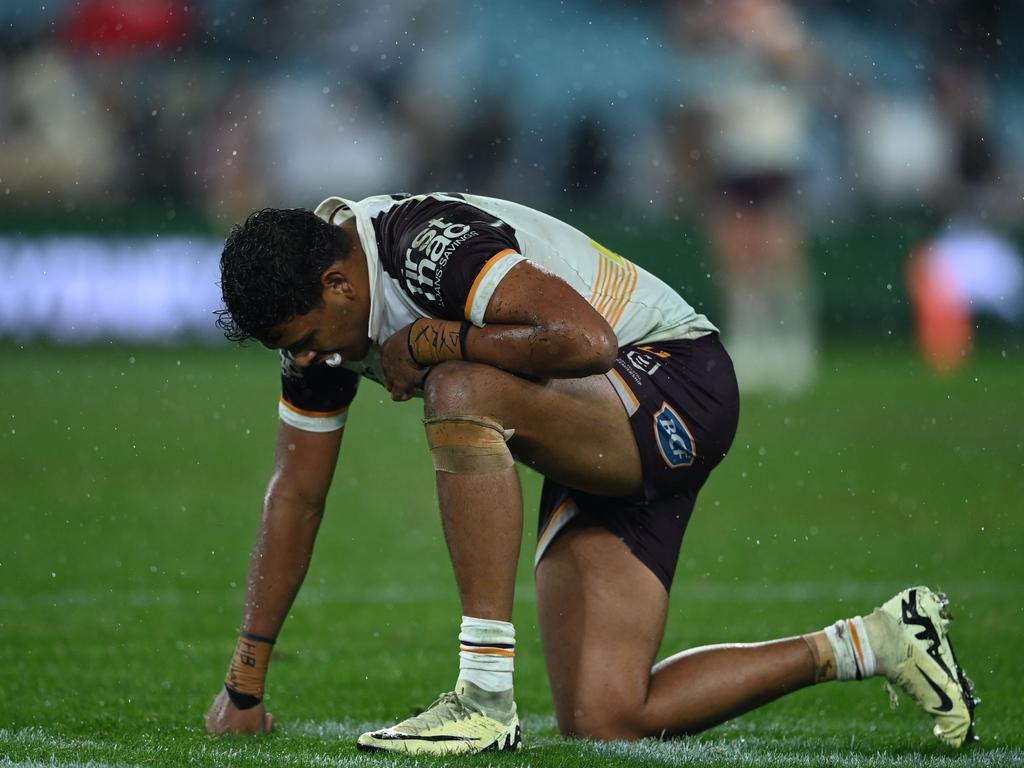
(799, 170)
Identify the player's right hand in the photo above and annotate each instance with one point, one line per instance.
(225, 717)
(402, 374)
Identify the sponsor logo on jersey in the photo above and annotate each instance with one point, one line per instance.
(428, 254)
(643, 362)
(675, 440)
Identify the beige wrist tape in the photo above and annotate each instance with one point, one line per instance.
(435, 341)
(248, 671)
(471, 445)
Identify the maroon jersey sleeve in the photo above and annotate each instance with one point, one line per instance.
(316, 398)
(438, 247)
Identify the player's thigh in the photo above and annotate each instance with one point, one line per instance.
(602, 617)
(574, 431)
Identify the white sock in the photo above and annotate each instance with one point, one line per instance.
(855, 659)
(487, 650)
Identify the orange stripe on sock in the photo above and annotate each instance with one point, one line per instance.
(856, 645)
(490, 651)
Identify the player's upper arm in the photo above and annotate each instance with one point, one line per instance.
(304, 466)
(530, 295)
(313, 410)
(316, 398)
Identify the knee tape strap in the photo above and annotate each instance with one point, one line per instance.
(468, 445)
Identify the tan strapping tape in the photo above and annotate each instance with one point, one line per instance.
(467, 445)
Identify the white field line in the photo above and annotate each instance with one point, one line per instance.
(823, 593)
(761, 752)
(39, 736)
(348, 730)
(753, 752)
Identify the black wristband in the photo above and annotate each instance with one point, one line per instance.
(408, 341)
(241, 700)
(257, 638)
(463, 333)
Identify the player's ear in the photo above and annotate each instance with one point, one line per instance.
(336, 279)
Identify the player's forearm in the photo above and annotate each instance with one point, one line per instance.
(552, 350)
(279, 562)
(560, 348)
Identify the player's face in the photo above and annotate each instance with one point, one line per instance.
(338, 326)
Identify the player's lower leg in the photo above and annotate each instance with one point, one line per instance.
(602, 626)
(481, 511)
(904, 640)
(907, 641)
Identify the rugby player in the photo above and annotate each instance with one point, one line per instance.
(527, 340)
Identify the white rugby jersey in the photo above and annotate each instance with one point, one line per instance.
(443, 255)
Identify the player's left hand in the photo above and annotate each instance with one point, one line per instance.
(224, 717)
(402, 374)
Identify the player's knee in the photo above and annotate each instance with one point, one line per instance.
(602, 724)
(457, 387)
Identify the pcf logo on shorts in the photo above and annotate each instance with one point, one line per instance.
(674, 439)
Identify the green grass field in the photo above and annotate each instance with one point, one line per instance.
(130, 492)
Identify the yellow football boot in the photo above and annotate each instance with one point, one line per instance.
(458, 723)
(910, 640)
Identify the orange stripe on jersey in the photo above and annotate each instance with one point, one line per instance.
(614, 277)
(609, 287)
(616, 314)
(621, 278)
(615, 310)
(490, 651)
(314, 414)
(597, 282)
(480, 278)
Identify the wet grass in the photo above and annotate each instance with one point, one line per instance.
(130, 490)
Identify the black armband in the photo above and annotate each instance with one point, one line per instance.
(463, 335)
(241, 700)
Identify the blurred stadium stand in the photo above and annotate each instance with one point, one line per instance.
(133, 133)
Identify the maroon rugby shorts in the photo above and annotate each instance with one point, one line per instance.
(683, 406)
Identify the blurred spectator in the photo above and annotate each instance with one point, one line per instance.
(628, 106)
(970, 267)
(60, 144)
(763, 121)
(755, 138)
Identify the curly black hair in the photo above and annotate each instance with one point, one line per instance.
(270, 270)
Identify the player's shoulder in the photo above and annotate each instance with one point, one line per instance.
(435, 225)
(434, 245)
(413, 212)
(337, 209)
